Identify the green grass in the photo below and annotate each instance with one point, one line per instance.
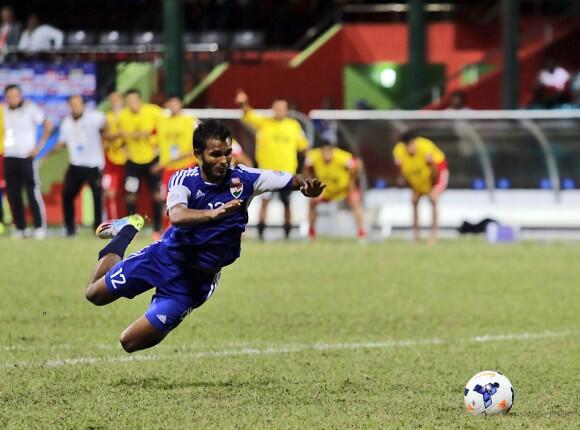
(280, 297)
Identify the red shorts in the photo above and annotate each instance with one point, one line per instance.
(441, 177)
(113, 176)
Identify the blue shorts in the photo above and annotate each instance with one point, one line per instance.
(178, 289)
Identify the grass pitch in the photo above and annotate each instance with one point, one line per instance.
(331, 335)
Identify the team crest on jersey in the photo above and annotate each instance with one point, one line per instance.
(236, 188)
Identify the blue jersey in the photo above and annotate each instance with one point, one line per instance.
(212, 245)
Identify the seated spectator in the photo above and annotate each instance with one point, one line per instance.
(10, 29)
(39, 37)
(552, 88)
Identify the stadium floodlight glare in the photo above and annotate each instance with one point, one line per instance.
(388, 78)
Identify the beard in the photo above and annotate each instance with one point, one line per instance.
(209, 172)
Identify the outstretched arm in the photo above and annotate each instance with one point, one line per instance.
(181, 216)
(270, 180)
(242, 100)
(309, 187)
(250, 117)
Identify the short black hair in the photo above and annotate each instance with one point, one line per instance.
(326, 142)
(73, 96)
(408, 135)
(210, 129)
(12, 87)
(132, 91)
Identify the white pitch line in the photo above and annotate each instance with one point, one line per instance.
(286, 349)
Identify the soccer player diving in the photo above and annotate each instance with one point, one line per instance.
(207, 207)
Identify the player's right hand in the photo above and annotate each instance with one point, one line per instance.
(241, 97)
(225, 209)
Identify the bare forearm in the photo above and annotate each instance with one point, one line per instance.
(181, 216)
(245, 107)
(184, 217)
(298, 182)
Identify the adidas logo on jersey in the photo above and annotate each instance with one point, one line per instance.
(199, 194)
(162, 318)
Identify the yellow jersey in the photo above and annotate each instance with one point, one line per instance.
(114, 149)
(175, 136)
(335, 174)
(416, 168)
(277, 141)
(141, 150)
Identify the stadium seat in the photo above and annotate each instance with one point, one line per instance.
(80, 38)
(219, 37)
(146, 38)
(248, 40)
(189, 38)
(247, 46)
(113, 38)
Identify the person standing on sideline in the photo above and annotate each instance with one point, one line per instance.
(115, 156)
(138, 123)
(280, 146)
(338, 170)
(174, 134)
(81, 133)
(20, 121)
(2, 181)
(9, 29)
(39, 37)
(424, 168)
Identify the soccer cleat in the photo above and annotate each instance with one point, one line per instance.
(39, 233)
(109, 229)
(20, 234)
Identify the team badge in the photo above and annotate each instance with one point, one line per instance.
(236, 188)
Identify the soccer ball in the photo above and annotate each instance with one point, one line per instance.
(489, 393)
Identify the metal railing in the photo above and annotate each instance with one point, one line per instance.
(486, 150)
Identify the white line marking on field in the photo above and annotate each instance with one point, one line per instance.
(286, 349)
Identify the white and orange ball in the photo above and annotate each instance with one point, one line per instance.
(489, 393)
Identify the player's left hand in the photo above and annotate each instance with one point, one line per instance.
(312, 187)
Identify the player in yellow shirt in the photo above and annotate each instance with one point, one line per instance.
(280, 145)
(138, 123)
(115, 156)
(239, 156)
(424, 167)
(338, 170)
(175, 137)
